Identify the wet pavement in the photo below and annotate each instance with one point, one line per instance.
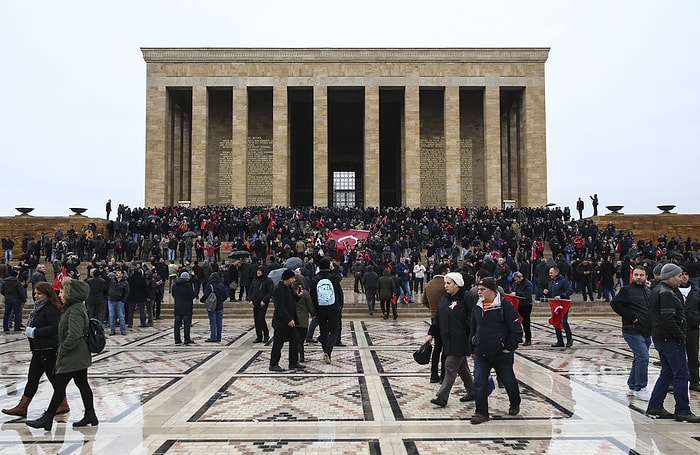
(153, 397)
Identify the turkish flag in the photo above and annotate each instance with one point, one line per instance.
(515, 300)
(559, 308)
(349, 236)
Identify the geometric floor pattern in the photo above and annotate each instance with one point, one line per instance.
(153, 397)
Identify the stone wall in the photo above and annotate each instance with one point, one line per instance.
(649, 227)
(17, 227)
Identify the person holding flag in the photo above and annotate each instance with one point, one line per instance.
(521, 298)
(559, 292)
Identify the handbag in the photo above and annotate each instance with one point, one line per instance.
(210, 302)
(422, 355)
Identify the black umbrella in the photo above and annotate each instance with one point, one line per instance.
(238, 254)
(189, 234)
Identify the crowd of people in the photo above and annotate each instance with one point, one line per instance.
(484, 259)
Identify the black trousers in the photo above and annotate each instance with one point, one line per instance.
(41, 362)
(60, 383)
(282, 334)
(262, 332)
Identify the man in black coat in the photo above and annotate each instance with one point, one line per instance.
(284, 319)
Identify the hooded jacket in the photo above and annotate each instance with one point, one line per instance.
(261, 287)
(183, 296)
(220, 290)
(73, 353)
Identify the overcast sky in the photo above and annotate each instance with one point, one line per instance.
(622, 85)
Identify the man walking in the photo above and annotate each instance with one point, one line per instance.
(284, 321)
(559, 288)
(632, 303)
(668, 328)
(326, 295)
(434, 291)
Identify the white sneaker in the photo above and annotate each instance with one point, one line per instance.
(643, 394)
(631, 392)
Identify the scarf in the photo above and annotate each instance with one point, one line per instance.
(38, 305)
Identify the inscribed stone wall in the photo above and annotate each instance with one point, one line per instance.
(219, 148)
(471, 147)
(259, 148)
(432, 149)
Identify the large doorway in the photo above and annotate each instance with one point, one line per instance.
(346, 116)
(301, 146)
(391, 107)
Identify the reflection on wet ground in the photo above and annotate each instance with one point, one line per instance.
(153, 397)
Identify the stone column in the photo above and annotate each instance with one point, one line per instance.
(533, 161)
(371, 183)
(320, 176)
(452, 152)
(158, 152)
(410, 174)
(239, 164)
(199, 144)
(280, 147)
(492, 146)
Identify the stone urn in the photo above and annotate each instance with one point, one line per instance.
(665, 208)
(78, 210)
(24, 210)
(614, 208)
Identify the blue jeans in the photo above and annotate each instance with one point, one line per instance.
(216, 321)
(116, 310)
(639, 344)
(567, 329)
(14, 310)
(503, 364)
(674, 370)
(182, 319)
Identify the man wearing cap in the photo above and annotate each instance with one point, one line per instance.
(632, 303)
(284, 321)
(451, 324)
(668, 327)
(495, 335)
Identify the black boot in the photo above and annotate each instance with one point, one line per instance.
(45, 421)
(89, 419)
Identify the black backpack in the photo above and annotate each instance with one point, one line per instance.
(96, 337)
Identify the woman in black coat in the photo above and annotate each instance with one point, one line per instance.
(451, 322)
(42, 333)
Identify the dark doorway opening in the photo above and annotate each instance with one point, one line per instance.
(346, 118)
(301, 146)
(391, 110)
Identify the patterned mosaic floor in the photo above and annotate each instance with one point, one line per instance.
(154, 397)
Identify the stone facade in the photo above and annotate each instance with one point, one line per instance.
(456, 127)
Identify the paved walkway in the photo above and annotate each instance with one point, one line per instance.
(153, 397)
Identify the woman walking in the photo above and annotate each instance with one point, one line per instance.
(73, 356)
(42, 333)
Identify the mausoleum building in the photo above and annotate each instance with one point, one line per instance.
(334, 127)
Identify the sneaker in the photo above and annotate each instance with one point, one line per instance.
(479, 418)
(643, 394)
(514, 410)
(326, 358)
(569, 343)
(631, 392)
(690, 418)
